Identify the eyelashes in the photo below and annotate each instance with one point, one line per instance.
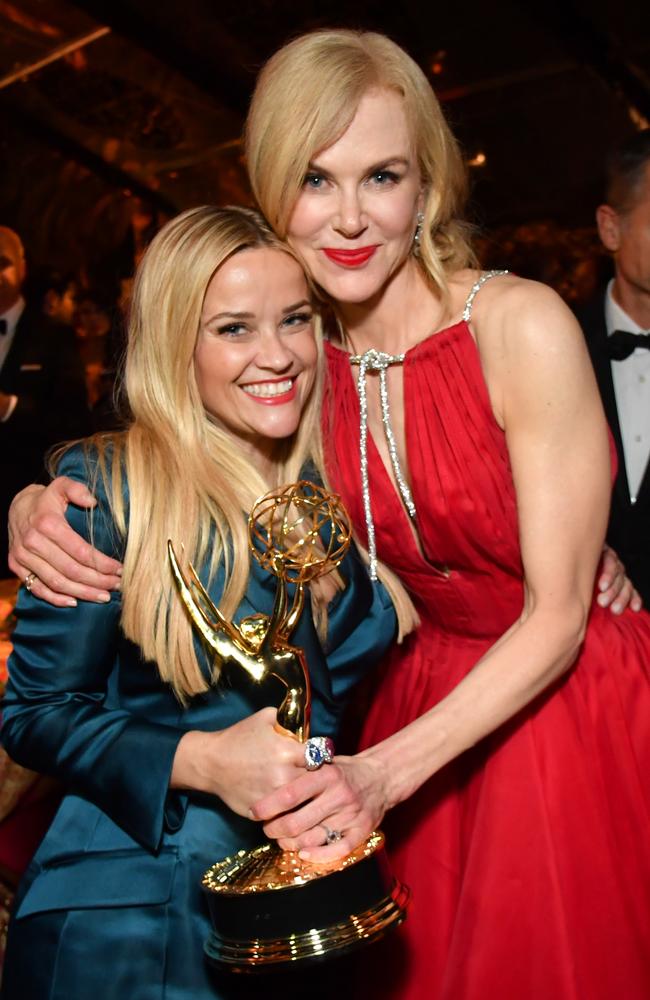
(383, 177)
(240, 331)
(298, 319)
(231, 329)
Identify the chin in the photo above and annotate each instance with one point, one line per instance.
(279, 431)
(354, 288)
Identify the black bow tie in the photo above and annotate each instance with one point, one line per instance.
(622, 343)
(3, 327)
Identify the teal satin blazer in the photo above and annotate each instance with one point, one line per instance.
(111, 905)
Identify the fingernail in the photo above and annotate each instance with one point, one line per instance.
(118, 571)
(304, 855)
(603, 600)
(71, 602)
(602, 584)
(104, 597)
(616, 608)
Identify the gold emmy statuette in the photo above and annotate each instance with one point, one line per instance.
(268, 907)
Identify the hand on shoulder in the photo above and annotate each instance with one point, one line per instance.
(66, 567)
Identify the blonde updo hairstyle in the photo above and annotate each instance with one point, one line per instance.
(189, 479)
(306, 97)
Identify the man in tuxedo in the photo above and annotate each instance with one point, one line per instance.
(617, 329)
(42, 389)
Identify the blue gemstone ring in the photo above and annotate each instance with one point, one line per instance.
(319, 750)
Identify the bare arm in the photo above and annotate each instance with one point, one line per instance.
(543, 392)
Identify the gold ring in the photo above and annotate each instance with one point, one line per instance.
(29, 581)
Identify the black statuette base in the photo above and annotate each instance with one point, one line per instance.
(330, 914)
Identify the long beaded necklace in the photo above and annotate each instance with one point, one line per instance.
(378, 361)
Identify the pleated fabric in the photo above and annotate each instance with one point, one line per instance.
(528, 857)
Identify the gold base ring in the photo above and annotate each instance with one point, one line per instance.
(317, 944)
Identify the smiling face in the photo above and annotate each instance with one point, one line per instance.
(356, 215)
(255, 357)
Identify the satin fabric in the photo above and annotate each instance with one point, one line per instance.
(528, 857)
(111, 905)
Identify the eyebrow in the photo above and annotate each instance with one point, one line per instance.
(230, 315)
(249, 315)
(390, 161)
(297, 305)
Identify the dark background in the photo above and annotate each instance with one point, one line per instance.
(100, 146)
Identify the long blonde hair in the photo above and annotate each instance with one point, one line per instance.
(188, 478)
(306, 97)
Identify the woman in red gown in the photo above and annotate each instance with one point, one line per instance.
(509, 734)
(507, 742)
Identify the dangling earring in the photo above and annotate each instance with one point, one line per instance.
(416, 235)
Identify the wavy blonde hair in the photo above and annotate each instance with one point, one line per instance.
(306, 97)
(189, 480)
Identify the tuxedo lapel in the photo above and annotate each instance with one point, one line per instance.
(27, 347)
(11, 364)
(643, 495)
(593, 323)
(629, 523)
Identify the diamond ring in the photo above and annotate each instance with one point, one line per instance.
(319, 750)
(331, 836)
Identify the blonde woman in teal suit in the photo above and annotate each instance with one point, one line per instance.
(163, 758)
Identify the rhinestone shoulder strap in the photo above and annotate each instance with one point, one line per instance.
(475, 289)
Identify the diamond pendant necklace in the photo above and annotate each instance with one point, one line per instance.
(377, 361)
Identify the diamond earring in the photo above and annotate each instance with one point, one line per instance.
(416, 235)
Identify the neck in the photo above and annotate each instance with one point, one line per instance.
(404, 311)
(633, 300)
(264, 456)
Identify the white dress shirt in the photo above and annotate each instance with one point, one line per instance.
(11, 318)
(631, 378)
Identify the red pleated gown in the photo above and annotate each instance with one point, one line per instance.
(529, 856)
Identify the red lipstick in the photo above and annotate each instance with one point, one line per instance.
(350, 258)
